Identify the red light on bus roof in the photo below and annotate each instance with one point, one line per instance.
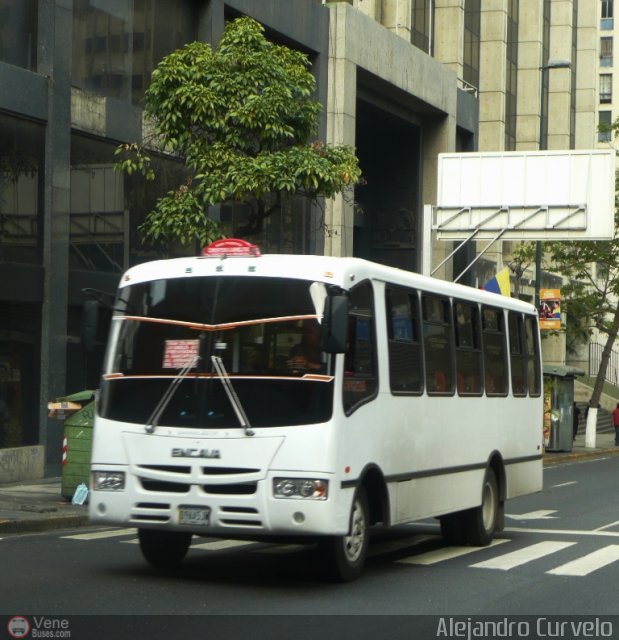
(231, 247)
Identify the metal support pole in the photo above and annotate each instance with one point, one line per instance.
(538, 271)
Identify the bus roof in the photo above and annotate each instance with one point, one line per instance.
(343, 272)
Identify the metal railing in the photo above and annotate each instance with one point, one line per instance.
(595, 357)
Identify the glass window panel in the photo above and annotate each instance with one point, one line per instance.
(405, 358)
(468, 349)
(18, 32)
(438, 345)
(533, 357)
(606, 87)
(360, 377)
(22, 145)
(517, 350)
(117, 44)
(495, 355)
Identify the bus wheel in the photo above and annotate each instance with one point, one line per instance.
(453, 528)
(163, 549)
(345, 555)
(482, 520)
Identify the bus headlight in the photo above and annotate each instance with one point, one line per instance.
(108, 480)
(300, 488)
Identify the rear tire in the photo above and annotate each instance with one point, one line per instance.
(345, 555)
(163, 549)
(481, 522)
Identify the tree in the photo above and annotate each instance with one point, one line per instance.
(592, 295)
(523, 256)
(243, 120)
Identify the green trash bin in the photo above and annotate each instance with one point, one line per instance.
(77, 442)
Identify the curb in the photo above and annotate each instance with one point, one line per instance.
(551, 459)
(43, 524)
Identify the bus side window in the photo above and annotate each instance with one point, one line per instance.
(360, 375)
(405, 361)
(437, 344)
(533, 356)
(495, 351)
(468, 349)
(517, 354)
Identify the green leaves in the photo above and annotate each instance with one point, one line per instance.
(243, 119)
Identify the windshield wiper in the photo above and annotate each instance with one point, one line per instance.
(153, 421)
(231, 393)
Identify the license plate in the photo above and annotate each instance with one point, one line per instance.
(195, 516)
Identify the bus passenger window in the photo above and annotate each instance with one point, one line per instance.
(533, 357)
(360, 375)
(517, 355)
(438, 346)
(468, 349)
(405, 362)
(495, 352)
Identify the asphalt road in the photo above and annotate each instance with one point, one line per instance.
(558, 555)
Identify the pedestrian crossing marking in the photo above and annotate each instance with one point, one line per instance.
(579, 567)
(98, 535)
(522, 556)
(219, 545)
(447, 553)
(542, 514)
(588, 564)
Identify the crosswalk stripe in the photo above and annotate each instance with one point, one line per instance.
(97, 535)
(521, 556)
(589, 563)
(447, 553)
(218, 545)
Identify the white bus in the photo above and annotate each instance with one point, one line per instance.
(424, 400)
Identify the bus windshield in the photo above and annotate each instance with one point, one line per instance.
(264, 331)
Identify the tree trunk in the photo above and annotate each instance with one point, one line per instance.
(594, 403)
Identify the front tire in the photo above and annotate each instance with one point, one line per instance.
(345, 555)
(482, 521)
(163, 549)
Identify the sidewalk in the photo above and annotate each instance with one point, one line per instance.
(38, 506)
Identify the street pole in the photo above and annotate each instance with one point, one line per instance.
(543, 145)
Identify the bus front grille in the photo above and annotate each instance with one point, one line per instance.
(238, 489)
(164, 486)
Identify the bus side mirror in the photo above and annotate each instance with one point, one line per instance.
(335, 324)
(90, 323)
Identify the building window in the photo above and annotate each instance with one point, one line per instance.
(606, 22)
(422, 22)
(18, 32)
(472, 33)
(22, 144)
(604, 124)
(511, 76)
(606, 51)
(114, 42)
(606, 88)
